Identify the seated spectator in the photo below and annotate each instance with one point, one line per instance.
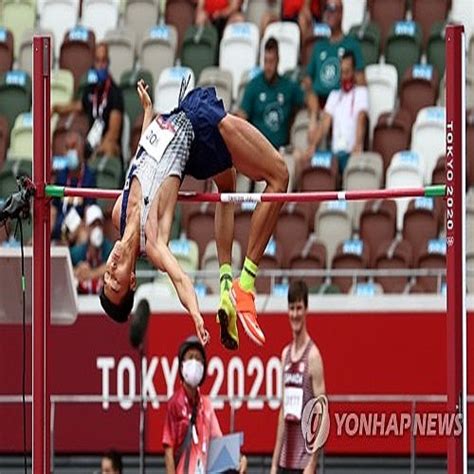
(89, 258)
(111, 463)
(303, 12)
(67, 213)
(270, 100)
(102, 101)
(219, 13)
(323, 71)
(191, 421)
(346, 111)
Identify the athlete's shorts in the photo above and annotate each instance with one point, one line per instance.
(209, 154)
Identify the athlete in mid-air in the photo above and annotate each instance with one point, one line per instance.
(197, 138)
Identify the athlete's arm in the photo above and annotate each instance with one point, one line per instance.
(281, 422)
(169, 460)
(162, 259)
(147, 105)
(316, 371)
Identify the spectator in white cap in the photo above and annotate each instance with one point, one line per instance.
(89, 258)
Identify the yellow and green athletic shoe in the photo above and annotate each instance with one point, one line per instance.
(227, 318)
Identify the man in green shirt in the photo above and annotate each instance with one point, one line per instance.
(324, 70)
(270, 100)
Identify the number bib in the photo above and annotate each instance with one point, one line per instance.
(293, 403)
(156, 139)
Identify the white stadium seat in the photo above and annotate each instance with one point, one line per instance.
(168, 86)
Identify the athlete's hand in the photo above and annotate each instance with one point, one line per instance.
(201, 331)
(142, 89)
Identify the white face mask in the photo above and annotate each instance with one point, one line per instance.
(192, 372)
(96, 237)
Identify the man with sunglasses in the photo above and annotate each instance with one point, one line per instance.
(323, 72)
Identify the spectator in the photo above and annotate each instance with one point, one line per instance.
(67, 213)
(270, 100)
(301, 356)
(111, 463)
(219, 13)
(303, 12)
(89, 258)
(190, 422)
(102, 101)
(346, 111)
(323, 71)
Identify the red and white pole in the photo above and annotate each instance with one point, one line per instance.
(41, 317)
(456, 330)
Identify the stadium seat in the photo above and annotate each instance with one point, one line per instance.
(271, 260)
(255, 10)
(200, 226)
(100, 16)
(121, 44)
(364, 171)
(291, 230)
(470, 55)
(6, 50)
(15, 95)
(470, 272)
(368, 36)
(366, 289)
(158, 49)
(128, 85)
(21, 138)
(382, 83)
(403, 47)
(77, 52)
(220, 79)
(321, 174)
(405, 171)
(470, 220)
(238, 51)
(180, 14)
(59, 16)
(4, 139)
(469, 89)
(243, 216)
(287, 34)
(168, 87)
(210, 263)
(320, 31)
(462, 12)
(310, 256)
(353, 13)
(432, 255)
(385, 13)
(378, 222)
(140, 16)
(299, 130)
(186, 253)
(108, 175)
(351, 254)
(439, 173)
(333, 224)
(436, 48)
(199, 50)
(421, 222)
(18, 16)
(393, 255)
(429, 12)
(392, 134)
(428, 137)
(62, 86)
(191, 184)
(419, 88)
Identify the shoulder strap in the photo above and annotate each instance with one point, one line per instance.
(185, 445)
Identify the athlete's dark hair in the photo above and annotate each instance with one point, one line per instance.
(298, 291)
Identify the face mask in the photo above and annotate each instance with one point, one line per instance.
(72, 159)
(347, 84)
(192, 372)
(96, 237)
(102, 74)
